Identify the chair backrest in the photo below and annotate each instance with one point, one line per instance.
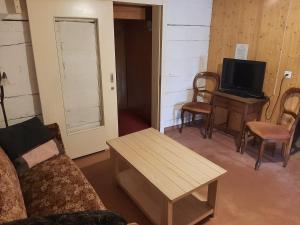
(200, 88)
(290, 109)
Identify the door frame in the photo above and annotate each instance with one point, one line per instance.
(156, 66)
(142, 2)
(157, 53)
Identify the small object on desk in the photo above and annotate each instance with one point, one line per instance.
(249, 108)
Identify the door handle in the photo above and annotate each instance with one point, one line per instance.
(112, 81)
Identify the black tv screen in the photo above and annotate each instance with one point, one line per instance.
(243, 76)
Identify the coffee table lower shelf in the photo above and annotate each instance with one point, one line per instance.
(187, 211)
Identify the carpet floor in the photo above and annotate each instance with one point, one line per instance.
(270, 196)
(129, 122)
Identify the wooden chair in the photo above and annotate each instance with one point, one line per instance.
(204, 105)
(282, 132)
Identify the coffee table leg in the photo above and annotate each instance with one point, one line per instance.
(212, 195)
(115, 158)
(167, 213)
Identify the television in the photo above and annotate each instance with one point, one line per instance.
(243, 77)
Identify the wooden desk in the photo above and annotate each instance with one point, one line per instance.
(249, 108)
(163, 177)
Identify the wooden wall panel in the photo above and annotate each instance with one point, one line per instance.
(270, 39)
(129, 12)
(233, 21)
(272, 32)
(290, 58)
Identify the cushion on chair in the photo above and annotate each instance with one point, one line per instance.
(57, 186)
(199, 107)
(11, 200)
(268, 130)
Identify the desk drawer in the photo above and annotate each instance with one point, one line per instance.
(221, 102)
(236, 106)
(255, 108)
(229, 104)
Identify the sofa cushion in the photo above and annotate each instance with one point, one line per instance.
(11, 200)
(57, 186)
(22, 137)
(36, 156)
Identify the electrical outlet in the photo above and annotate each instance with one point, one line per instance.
(288, 74)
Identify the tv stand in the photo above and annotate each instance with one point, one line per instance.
(249, 108)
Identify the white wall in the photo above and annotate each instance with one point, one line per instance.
(6, 7)
(186, 42)
(16, 58)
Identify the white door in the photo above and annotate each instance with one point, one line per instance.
(73, 45)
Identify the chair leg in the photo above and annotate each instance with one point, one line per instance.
(211, 125)
(182, 120)
(190, 119)
(244, 141)
(273, 152)
(210, 129)
(260, 155)
(254, 142)
(193, 118)
(208, 126)
(285, 154)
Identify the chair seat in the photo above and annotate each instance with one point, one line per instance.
(198, 107)
(268, 131)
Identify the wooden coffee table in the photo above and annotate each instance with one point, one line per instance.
(164, 177)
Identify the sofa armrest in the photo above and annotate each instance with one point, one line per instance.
(101, 217)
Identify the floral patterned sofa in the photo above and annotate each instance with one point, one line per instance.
(52, 191)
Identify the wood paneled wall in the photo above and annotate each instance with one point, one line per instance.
(272, 30)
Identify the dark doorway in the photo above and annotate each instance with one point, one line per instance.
(133, 44)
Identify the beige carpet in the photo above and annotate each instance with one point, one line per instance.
(270, 196)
